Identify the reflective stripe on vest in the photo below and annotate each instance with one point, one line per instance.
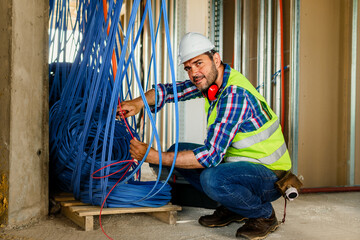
(265, 160)
(249, 141)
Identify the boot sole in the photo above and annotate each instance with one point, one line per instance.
(262, 237)
(222, 225)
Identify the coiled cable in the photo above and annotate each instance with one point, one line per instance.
(84, 136)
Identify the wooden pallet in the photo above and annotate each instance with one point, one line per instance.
(83, 214)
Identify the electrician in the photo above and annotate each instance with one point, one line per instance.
(244, 153)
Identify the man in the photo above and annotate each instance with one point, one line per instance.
(243, 134)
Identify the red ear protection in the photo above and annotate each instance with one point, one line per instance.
(212, 91)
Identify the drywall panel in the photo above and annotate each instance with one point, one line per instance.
(357, 140)
(323, 93)
(228, 33)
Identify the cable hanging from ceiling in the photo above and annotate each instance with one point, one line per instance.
(92, 68)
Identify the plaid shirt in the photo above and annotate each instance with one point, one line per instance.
(237, 110)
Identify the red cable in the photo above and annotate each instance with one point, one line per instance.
(92, 175)
(123, 117)
(282, 66)
(128, 165)
(114, 66)
(102, 205)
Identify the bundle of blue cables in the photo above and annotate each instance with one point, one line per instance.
(89, 147)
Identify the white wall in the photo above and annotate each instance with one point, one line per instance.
(192, 113)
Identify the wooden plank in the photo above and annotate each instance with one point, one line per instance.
(89, 223)
(107, 211)
(72, 203)
(83, 208)
(86, 223)
(64, 198)
(169, 217)
(65, 194)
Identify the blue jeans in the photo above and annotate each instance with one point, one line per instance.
(243, 187)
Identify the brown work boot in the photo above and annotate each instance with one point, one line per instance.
(221, 217)
(258, 228)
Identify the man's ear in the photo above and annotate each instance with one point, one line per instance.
(217, 59)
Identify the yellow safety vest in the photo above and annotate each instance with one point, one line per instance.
(265, 145)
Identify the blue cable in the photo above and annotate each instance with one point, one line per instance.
(84, 135)
(273, 77)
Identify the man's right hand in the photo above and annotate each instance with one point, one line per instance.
(129, 108)
(133, 107)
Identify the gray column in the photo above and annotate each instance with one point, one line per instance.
(24, 110)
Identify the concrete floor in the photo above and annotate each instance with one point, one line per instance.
(311, 216)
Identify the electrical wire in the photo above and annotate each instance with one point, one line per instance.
(273, 77)
(90, 149)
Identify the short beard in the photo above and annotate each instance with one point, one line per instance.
(212, 76)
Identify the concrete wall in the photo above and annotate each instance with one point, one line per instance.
(5, 97)
(24, 101)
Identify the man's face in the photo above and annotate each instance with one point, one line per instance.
(202, 71)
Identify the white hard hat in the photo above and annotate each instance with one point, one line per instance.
(193, 44)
